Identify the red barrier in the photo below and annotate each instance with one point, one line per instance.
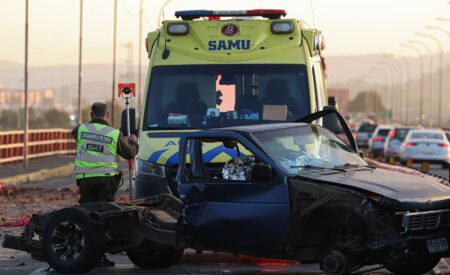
(41, 143)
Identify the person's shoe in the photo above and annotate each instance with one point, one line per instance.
(105, 262)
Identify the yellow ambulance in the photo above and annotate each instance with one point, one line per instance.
(214, 69)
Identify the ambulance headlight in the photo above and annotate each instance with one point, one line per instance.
(177, 28)
(151, 169)
(282, 27)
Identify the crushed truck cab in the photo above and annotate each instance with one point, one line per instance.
(299, 192)
(212, 69)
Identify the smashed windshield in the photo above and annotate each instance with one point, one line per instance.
(207, 96)
(308, 149)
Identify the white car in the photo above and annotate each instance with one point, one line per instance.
(396, 137)
(430, 145)
(379, 137)
(364, 133)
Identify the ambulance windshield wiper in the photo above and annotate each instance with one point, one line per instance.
(308, 166)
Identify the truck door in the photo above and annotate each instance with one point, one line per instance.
(240, 213)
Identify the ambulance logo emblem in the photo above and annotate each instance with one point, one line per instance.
(230, 29)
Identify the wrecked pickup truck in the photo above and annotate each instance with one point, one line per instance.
(290, 191)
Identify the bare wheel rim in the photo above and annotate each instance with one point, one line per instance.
(67, 241)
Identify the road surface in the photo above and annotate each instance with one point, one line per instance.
(61, 192)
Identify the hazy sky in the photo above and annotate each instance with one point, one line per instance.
(350, 26)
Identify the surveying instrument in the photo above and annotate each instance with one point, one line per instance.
(127, 91)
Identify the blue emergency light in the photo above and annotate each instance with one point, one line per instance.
(194, 14)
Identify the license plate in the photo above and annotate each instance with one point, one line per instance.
(437, 245)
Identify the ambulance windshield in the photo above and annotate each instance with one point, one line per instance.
(211, 96)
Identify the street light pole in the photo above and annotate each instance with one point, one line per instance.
(441, 57)
(139, 89)
(161, 10)
(25, 134)
(430, 93)
(394, 86)
(114, 64)
(79, 61)
(397, 102)
(384, 75)
(421, 80)
(405, 97)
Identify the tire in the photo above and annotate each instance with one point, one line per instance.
(69, 231)
(162, 257)
(414, 268)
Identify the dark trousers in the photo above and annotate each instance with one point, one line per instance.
(97, 189)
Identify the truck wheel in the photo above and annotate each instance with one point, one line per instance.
(71, 243)
(162, 257)
(414, 268)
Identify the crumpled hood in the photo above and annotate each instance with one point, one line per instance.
(403, 191)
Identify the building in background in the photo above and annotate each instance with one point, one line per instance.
(15, 99)
(342, 97)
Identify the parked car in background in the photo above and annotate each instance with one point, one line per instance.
(379, 137)
(395, 139)
(430, 145)
(364, 133)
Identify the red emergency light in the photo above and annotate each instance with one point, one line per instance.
(266, 13)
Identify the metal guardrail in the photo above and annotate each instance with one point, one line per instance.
(41, 143)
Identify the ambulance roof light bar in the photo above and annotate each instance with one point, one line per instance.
(266, 13)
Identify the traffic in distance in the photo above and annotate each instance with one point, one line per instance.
(405, 144)
(242, 151)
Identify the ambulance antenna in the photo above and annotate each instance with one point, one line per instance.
(166, 52)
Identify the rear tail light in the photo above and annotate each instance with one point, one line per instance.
(445, 145)
(392, 135)
(410, 144)
(177, 28)
(355, 136)
(377, 139)
(281, 27)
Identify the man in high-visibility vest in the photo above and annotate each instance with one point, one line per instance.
(98, 145)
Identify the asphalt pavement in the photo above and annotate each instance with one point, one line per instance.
(16, 262)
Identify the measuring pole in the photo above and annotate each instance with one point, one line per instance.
(130, 161)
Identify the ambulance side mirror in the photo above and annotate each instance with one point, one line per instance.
(123, 122)
(331, 121)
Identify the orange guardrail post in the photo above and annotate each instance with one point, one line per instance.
(391, 160)
(425, 167)
(409, 163)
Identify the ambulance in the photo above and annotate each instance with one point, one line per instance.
(215, 69)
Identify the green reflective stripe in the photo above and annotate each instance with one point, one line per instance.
(89, 167)
(91, 175)
(106, 170)
(97, 158)
(99, 128)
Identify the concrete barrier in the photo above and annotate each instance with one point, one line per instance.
(44, 174)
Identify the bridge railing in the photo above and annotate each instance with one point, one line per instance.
(41, 143)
